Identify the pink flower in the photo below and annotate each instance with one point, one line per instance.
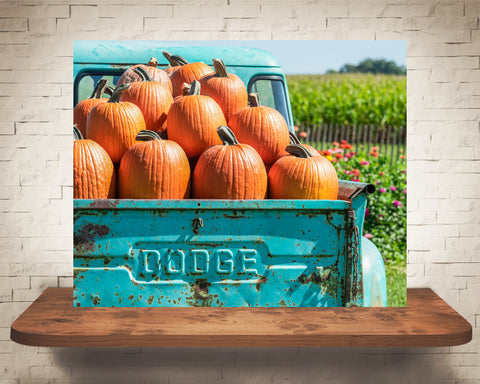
(364, 163)
(295, 128)
(393, 189)
(382, 190)
(404, 191)
(368, 235)
(397, 203)
(303, 135)
(367, 212)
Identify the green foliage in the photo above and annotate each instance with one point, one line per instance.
(348, 99)
(386, 218)
(396, 284)
(380, 66)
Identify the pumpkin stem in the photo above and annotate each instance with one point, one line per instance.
(293, 138)
(220, 68)
(194, 88)
(77, 135)
(109, 90)
(253, 100)
(143, 73)
(298, 150)
(115, 98)
(186, 89)
(153, 62)
(227, 135)
(174, 60)
(99, 89)
(145, 135)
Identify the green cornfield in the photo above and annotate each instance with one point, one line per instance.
(350, 99)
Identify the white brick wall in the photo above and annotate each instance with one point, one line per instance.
(443, 174)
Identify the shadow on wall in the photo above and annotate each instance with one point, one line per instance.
(246, 365)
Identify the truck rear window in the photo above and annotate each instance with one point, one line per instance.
(271, 91)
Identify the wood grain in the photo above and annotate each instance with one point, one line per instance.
(427, 321)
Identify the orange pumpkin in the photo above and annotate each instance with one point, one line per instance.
(115, 124)
(227, 89)
(263, 128)
(83, 108)
(193, 121)
(93, 171)
(175, 62)
(157, 74)
(229, 171)
(186, 74)
(154, 169)
(153, 99)
(302, 176)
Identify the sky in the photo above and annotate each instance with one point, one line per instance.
(318, 56)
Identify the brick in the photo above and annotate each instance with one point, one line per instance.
(174, 24)
(34, 10)
(13, 24)
(123, 11)
(42, 26)
(460, 243)
(31, 89)
(417, 243)
(44, 269)
(438, 23)
(366, 9)
(452, 9)
(410, 10)
(7, 128)
(465, 269)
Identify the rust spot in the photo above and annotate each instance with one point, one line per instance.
(262, 280)
(84, 239)
(104, 203)
(96, 300)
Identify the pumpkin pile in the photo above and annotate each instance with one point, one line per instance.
(190, 131)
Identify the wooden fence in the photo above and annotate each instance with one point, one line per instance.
(391, 141)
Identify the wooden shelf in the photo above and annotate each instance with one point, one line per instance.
(427, 322)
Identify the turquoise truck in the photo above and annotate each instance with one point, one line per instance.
(267, 253)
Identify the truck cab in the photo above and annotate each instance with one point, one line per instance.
(259, 70)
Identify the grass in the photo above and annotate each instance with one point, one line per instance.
(396, 284)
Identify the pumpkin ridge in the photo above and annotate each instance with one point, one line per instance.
(246, 164)
(92, 162)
